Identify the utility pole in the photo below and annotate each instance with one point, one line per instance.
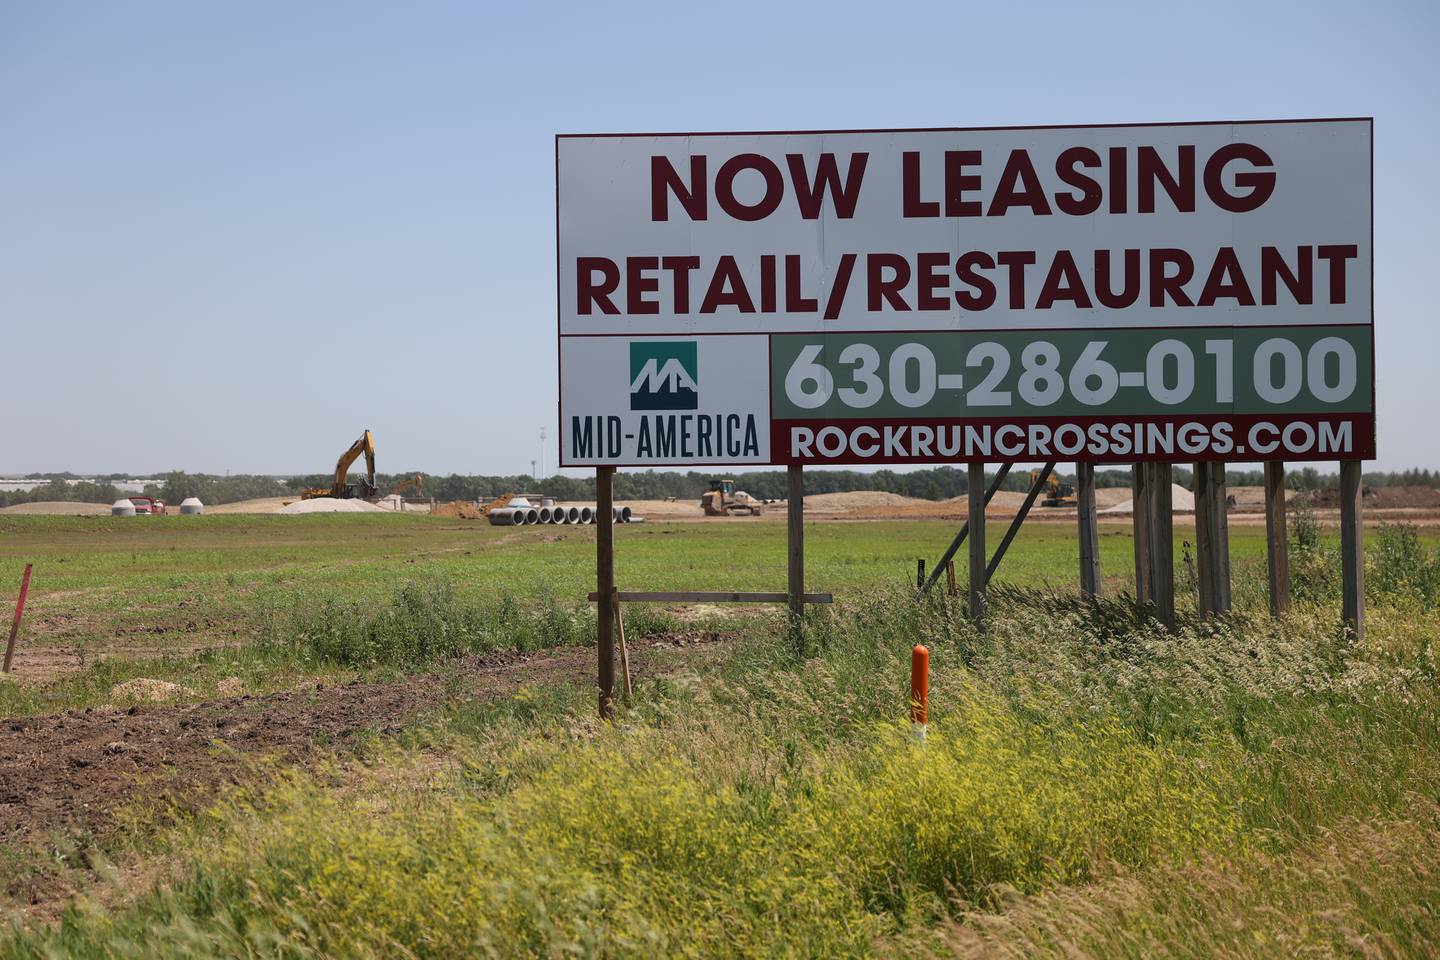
(542, 454)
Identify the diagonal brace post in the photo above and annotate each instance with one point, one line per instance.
(959, 540)
(1030, 499)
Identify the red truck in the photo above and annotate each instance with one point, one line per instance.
(148, 505)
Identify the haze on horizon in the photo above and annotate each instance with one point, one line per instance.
(231, 238)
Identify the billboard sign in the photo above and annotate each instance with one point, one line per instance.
(1176, 292)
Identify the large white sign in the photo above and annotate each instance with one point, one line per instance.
(1109, 293)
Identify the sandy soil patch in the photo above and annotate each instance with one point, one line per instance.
(59, 508)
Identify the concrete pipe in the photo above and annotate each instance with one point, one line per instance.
(544, 515)
(504, 517)
(587, 515)
(572, 515)
(557, 514)
(624, 514)
(532, 516)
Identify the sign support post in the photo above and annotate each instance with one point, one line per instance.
(605, 587)
(976, 495)
(1162, 543)
(795, 536)
(1352, 548)
(1277, 539)
(1212, 539)
(1089, 529)
(1140, 519)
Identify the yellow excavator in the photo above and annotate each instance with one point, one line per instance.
(1058, 493)
(340, 489)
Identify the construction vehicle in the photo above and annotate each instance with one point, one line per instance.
(409, 483)
(148, 506)
(723, 500)
(1058, 493)
(363, 488)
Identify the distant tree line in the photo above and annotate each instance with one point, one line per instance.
(939, 483)
(59, 489)
(179, 485)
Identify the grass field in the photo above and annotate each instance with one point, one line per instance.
(1090, 787)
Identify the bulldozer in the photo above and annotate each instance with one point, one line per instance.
(1058, 493)
(341, 489)
(723, 500)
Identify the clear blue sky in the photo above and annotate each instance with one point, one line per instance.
(232, 236)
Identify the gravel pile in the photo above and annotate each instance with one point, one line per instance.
(1181, 501)
(331, 505)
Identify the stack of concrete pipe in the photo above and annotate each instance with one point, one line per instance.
(522, 515)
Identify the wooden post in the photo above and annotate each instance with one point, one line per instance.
(977, 543)
(624, 650)
(1089, 529)
(1162, 543)
(1352, 547)
(920, 574)
(19, 612)
(1204, 552)
(1277, 538)
(950, 586)
(605, 586)
(1140, 497)
(795, 536)
(1212, 539)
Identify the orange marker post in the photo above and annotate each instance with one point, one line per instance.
(919, 690)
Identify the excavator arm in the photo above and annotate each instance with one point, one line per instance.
(363, 488)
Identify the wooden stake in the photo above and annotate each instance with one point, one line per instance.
(795, 534)
(605, 587)
(977, 543)
(1352, 547)
(951, 588)
(1277, 539)
(1089, 529)
(624, 650)
(920, 574)
(19, 612)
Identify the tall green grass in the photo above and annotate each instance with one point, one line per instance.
(1089, 787)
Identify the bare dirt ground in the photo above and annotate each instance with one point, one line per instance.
(59, 508)
(73, 771)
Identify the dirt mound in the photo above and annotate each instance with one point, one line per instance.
(330, 505)
(1181, 501)
(464, 509)
(857, 500)
(60, 508)
(261, 505)
(1380, 498)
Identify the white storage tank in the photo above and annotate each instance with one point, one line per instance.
(191, 507)
(122, 508)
